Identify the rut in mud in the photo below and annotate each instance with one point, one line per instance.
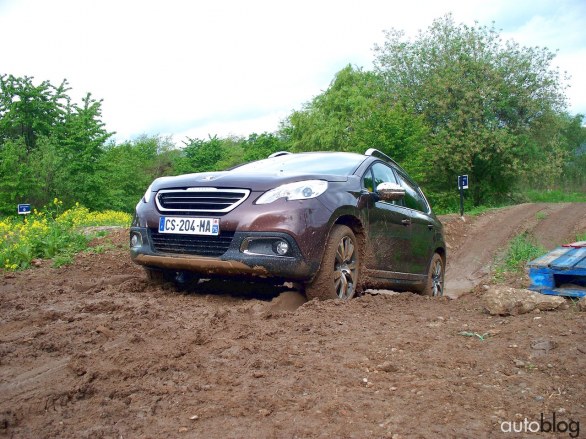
(95, 350)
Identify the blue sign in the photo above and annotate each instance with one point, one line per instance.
(462, 182)
(24, 209)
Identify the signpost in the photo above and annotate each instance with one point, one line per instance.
(462, 184)
(24, 209)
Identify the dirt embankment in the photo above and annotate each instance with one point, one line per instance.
(94, 350)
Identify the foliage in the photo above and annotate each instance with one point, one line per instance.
(215, 154)
(29, 111)
(260, 146)
(492, 108)
(520, 251)
(79, 146)
(200, 155)
(127, 169)
(454, 100)
(49, 146)
(574, 173)
(50, 233)
(80, 216)
(354, 114)
(554, 196)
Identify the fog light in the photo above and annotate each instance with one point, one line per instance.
(135, 240)
(282, 248)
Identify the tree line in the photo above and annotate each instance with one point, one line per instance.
(453, 100)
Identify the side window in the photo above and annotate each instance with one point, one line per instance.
(367, 181)
(377, 174)
(413, 198)
(382, 174)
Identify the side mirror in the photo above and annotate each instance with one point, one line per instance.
(390, 191)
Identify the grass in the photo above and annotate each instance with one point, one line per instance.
(51, 234)
(520, 251)
(449, 203)
(554, 196)
(541, 215)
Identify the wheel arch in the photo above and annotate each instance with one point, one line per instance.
(356, 225)
(442, 252)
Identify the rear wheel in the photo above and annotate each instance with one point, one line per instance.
(435, 277)
(338, 275)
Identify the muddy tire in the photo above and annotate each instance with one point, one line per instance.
(159, 276)
(183, 280)
(186, 281)
(435, 277)
(338, 275)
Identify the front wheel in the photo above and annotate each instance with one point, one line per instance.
(435, 277)
(159, 276)
(337, 277)
(184, 280)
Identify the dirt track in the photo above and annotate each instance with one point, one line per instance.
(474, 246)
(94, 350)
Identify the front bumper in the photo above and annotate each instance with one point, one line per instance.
(248, 255)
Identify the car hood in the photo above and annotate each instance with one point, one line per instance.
(230, 179)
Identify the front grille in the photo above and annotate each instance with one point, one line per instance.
(200, 199)
(192, 244)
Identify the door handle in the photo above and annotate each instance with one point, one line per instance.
(406, 221)
(430, 226)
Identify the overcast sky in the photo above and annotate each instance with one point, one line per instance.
(234, 67)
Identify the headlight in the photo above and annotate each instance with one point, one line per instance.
(300, 190)
(148, 194)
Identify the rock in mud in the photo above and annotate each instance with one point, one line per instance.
(582, 304)
(507, 301)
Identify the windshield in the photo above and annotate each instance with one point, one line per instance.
(339, 163)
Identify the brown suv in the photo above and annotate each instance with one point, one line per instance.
(335, 222)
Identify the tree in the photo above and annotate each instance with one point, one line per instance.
(355, 114)
(16, 181)
(201, 155)
(260, 146)
(28, 111)
(127, 169)
(53, 146)
(574, 133)
(487, 104)
(81, 138)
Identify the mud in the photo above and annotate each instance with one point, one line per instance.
(95, 350)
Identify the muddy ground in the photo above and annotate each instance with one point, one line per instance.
(94, 350)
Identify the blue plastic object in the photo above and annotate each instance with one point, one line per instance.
(561, 272)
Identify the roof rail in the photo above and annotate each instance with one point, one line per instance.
(279, 153)
(381, 155)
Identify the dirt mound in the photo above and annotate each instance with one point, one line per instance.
(95, 350)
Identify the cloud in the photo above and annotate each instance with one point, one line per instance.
(233, 67)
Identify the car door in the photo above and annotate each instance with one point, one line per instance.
(422, 226)
(389, 230)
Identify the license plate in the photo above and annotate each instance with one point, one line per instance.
(189, 226)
